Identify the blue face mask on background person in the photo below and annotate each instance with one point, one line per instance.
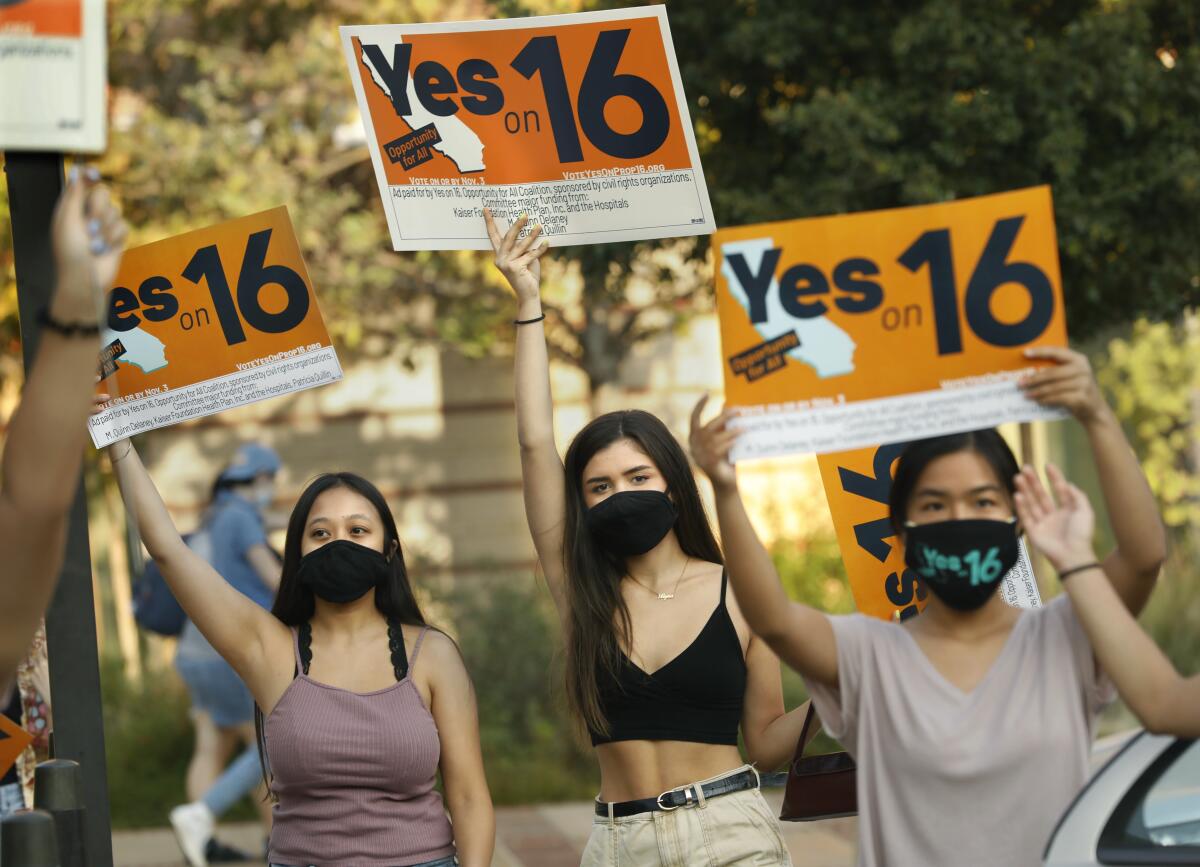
(962, 562)
(632, 522)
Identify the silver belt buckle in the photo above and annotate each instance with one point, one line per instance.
(687, 797)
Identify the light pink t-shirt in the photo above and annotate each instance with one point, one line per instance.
(951, 779)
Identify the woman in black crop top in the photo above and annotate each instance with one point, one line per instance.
(661, 666)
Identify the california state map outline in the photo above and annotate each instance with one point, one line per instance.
(460, 144)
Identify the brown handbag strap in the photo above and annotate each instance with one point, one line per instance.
(803, 742)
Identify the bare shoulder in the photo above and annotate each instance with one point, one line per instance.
(439, 655)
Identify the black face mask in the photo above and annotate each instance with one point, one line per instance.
(342, 571)
(962, 562)
(632, 522)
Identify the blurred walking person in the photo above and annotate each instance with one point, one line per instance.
(232, 537)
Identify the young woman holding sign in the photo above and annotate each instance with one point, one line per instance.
(361, 703)
(47, 433)
(661, 666)
(1062, 527)
(971, 724)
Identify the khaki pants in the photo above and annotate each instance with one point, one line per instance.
(735, 829)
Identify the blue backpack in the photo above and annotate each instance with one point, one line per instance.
(155, 607)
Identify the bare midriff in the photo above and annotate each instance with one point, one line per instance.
(630, 770)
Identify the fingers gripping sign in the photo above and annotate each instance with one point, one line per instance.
(1067, 384)
(88, 236)
(517, 257)
(712, 442)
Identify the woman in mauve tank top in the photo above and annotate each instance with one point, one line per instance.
(661, 666)
(971, 723)
(360, 705)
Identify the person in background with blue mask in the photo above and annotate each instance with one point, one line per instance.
(971, 724)
(232, 537)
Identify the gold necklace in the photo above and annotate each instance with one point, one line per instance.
(664, 596)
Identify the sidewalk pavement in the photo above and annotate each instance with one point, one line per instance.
(548, 835)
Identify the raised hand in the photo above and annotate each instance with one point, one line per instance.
(88, 236)
(1068, 385)
(1062, 525)
(710, 444)
(519, 259)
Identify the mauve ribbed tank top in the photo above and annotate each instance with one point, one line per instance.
(354, 774)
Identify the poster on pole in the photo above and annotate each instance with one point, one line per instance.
(843, 332)
(53, 75)
(857, 485)
(206, 321)
(578, 120)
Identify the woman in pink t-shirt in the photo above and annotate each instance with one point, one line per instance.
(971, 724)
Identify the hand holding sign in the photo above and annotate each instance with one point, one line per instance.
(519, 259)
(1069, 384)
(710, 444)
(88, 236)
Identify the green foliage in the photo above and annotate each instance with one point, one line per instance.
(147, 744)
(825, 107)
(1153, 377)
(812, 572)
(510, 640)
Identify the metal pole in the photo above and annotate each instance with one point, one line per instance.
(35, 181)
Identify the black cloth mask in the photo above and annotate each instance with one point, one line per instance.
(342, 571)
(962, 562)
(632, 522)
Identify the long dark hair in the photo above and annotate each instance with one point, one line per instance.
(295, 603)
(986, 443)
(598, 621)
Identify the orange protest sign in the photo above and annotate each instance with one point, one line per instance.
(13, 741)
(208, 320)
(578, 119)
(847, 331)
(857, 485)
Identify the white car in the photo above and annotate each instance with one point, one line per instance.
(1141, 809)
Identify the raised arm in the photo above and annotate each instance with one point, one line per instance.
(248, 637)
(47, 433)
(1141, 539)
(541, 467)
(1062, 528)
(800, 636)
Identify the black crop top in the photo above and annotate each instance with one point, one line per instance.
(695, 697)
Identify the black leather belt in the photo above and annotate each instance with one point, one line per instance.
(682, 797)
